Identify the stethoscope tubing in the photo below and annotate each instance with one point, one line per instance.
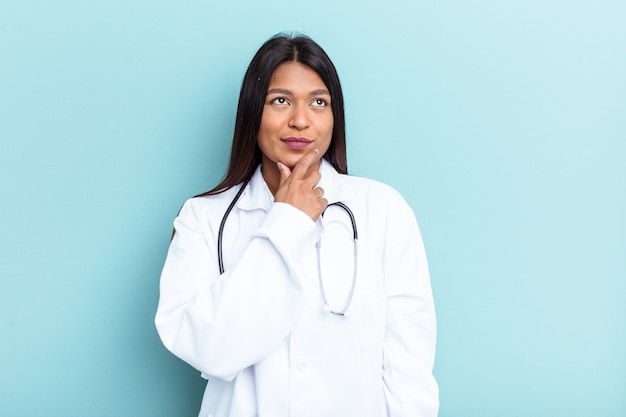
(220, 233)
(355, 238)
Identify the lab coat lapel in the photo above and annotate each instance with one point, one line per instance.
(256, 195)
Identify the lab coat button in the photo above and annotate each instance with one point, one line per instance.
(301, 365)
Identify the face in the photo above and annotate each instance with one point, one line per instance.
(297, 116)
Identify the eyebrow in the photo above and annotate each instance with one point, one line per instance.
(318, 92)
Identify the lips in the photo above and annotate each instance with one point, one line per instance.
(297, 143)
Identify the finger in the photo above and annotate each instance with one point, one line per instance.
(285, 172)
(303, 165)
(319, 192)
(323, 203)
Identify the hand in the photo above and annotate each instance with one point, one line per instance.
(298, 186)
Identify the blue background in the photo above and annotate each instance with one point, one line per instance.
(502, 123)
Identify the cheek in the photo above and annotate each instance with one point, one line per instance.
(264, 122)
(329, 127)
(270, 124)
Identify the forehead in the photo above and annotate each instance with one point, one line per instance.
(296, 76)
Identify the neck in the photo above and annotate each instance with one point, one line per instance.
(271, 175)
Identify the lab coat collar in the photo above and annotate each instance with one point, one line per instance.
(334, 184)
(258, 195)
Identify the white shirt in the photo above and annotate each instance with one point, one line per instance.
(258, 332)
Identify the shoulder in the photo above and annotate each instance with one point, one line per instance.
(204, 205)
(349, 187)
(372, 189)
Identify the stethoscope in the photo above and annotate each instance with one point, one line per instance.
(355, 238)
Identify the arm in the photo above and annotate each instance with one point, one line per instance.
(410, 333)
(223, 324)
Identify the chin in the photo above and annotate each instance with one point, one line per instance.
(292, 160)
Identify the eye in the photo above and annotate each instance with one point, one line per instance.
(279, 100)
(320, 102)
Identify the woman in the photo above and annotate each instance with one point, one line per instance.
(293, 321)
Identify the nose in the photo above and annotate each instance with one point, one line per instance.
(299, 119)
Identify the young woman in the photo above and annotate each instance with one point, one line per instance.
(295, 289)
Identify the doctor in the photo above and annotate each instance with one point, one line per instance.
(289, 304)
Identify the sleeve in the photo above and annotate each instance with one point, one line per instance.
(410, 329)
(223, 324)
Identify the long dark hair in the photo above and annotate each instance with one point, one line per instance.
(245, 154)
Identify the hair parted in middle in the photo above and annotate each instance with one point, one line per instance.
(245, 153)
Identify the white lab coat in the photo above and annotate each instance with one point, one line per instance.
(258, 332)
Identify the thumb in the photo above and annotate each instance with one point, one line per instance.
(285, 172)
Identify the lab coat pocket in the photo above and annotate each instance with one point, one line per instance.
(371, 321)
